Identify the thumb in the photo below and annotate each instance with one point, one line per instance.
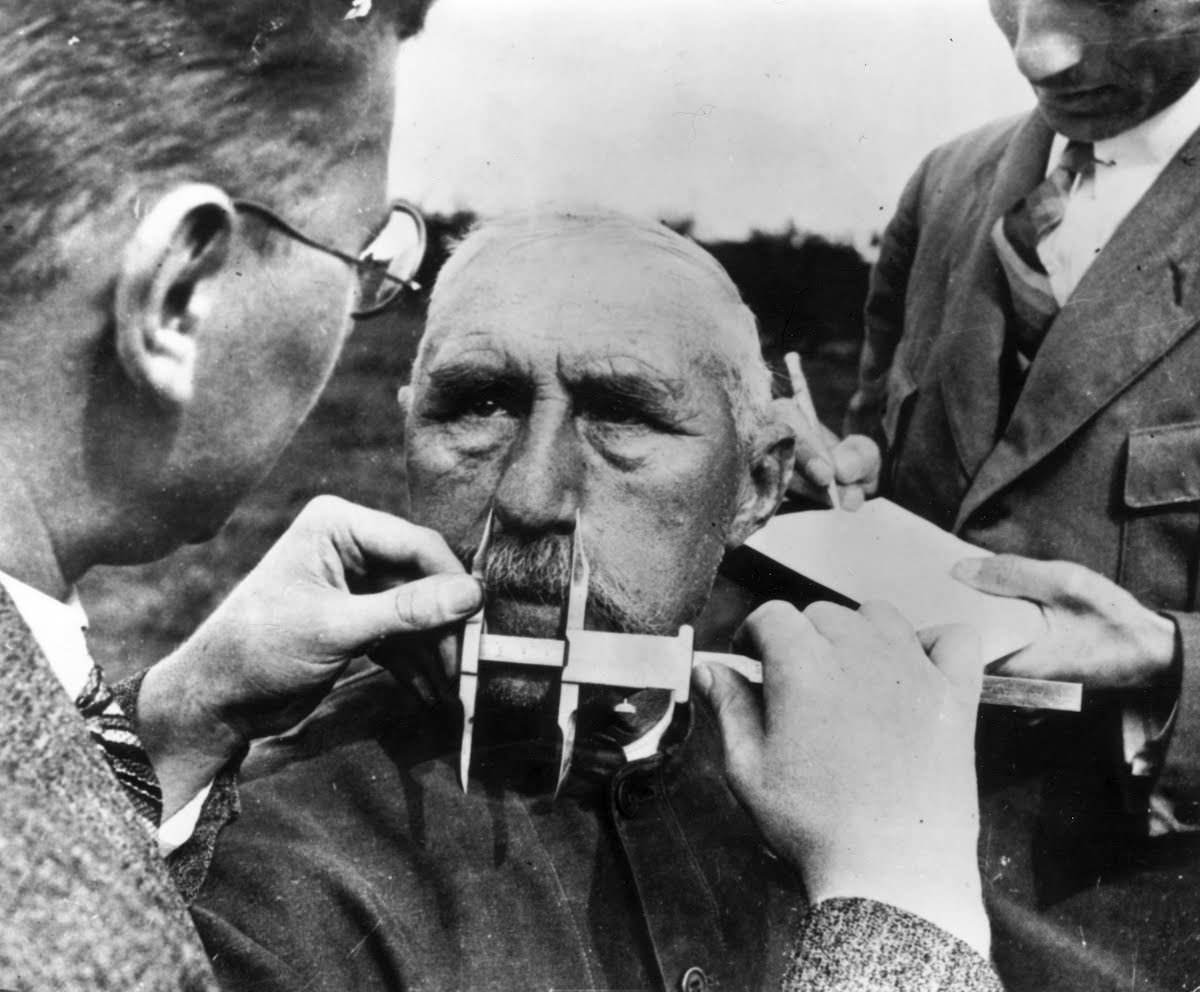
(958, 654)
(1010, 575)
(856, 461)
(738, 716)
(425, 604)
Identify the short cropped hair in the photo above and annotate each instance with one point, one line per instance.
(737, 362)
(106, 97)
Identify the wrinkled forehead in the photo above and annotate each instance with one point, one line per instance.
(579, 298)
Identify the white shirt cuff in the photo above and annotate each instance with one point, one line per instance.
(178, 829)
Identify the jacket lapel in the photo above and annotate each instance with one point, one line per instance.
(975, 321)
(1135, 302)
(35, 699)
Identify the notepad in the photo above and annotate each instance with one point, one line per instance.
(884, 552)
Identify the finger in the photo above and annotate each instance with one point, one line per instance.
(1024, 664)
(412, 660)
(367, 539)
(814, 464)
(856, 461)
(739, 717)
(1012, 575)
(447, 651)
(425, 604)
(958, 654)
(851, 497)
(794, 656)
(834, 622)
(890, 622)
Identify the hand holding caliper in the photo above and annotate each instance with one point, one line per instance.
(640, 661)
(865, 785)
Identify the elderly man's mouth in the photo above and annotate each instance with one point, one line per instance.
(524, 616)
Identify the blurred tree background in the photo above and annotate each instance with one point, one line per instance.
(806, 291)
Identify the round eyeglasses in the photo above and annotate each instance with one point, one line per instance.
(385, 267)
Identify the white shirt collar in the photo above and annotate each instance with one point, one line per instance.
(1153, 142)
(58, 629)
(648, 743)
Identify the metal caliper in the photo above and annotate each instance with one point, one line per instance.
(643, 661)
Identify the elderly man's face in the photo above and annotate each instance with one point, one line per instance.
(1100, 67)
(571, 376)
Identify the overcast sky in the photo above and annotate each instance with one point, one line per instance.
(738, 113)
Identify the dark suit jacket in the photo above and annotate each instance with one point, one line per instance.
(1098, 464)
(359, 863)
(85, 901)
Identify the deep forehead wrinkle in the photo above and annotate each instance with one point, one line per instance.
(622, 375)
(625, 375)
(474, 367)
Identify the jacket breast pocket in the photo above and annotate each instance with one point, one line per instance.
(1161, 521)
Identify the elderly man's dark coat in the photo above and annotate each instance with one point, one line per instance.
(358, 863)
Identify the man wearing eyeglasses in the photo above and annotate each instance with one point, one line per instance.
(160, 340)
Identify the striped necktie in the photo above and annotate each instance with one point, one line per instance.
(112, 730)
(1016, 236)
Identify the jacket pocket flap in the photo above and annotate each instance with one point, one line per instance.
(1163, 466)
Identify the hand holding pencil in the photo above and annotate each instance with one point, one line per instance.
(843, 471)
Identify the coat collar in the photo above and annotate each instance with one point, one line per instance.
(974, 324)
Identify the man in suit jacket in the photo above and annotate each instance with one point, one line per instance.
(1030, 367)
(159, 342)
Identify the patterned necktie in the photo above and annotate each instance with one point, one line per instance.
(112, 730)
(1016, 237)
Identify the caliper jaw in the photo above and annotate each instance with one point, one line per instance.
(468, 666)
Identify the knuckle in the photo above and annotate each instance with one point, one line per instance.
(775, 611)
(824, 612)
(1071, 580)
(408, 608)
(321, 509)
(1003, 568)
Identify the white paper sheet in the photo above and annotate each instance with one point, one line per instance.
(884, 552)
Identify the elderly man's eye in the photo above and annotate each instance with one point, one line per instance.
(483, 406)
(474, 402)
(616, 410)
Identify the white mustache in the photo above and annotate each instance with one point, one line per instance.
(539, 571)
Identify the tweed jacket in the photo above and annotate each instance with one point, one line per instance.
(86, 902)
(359, 863)
(1098, 463)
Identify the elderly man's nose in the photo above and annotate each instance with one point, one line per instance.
(539, 490)
(1047, 40)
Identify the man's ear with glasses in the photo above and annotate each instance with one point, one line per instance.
(164, 288)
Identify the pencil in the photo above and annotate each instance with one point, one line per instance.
(804, 405)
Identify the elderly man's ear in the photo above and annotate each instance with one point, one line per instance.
(165, 288)
(768, 473)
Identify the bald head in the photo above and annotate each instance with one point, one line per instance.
(639, 273)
